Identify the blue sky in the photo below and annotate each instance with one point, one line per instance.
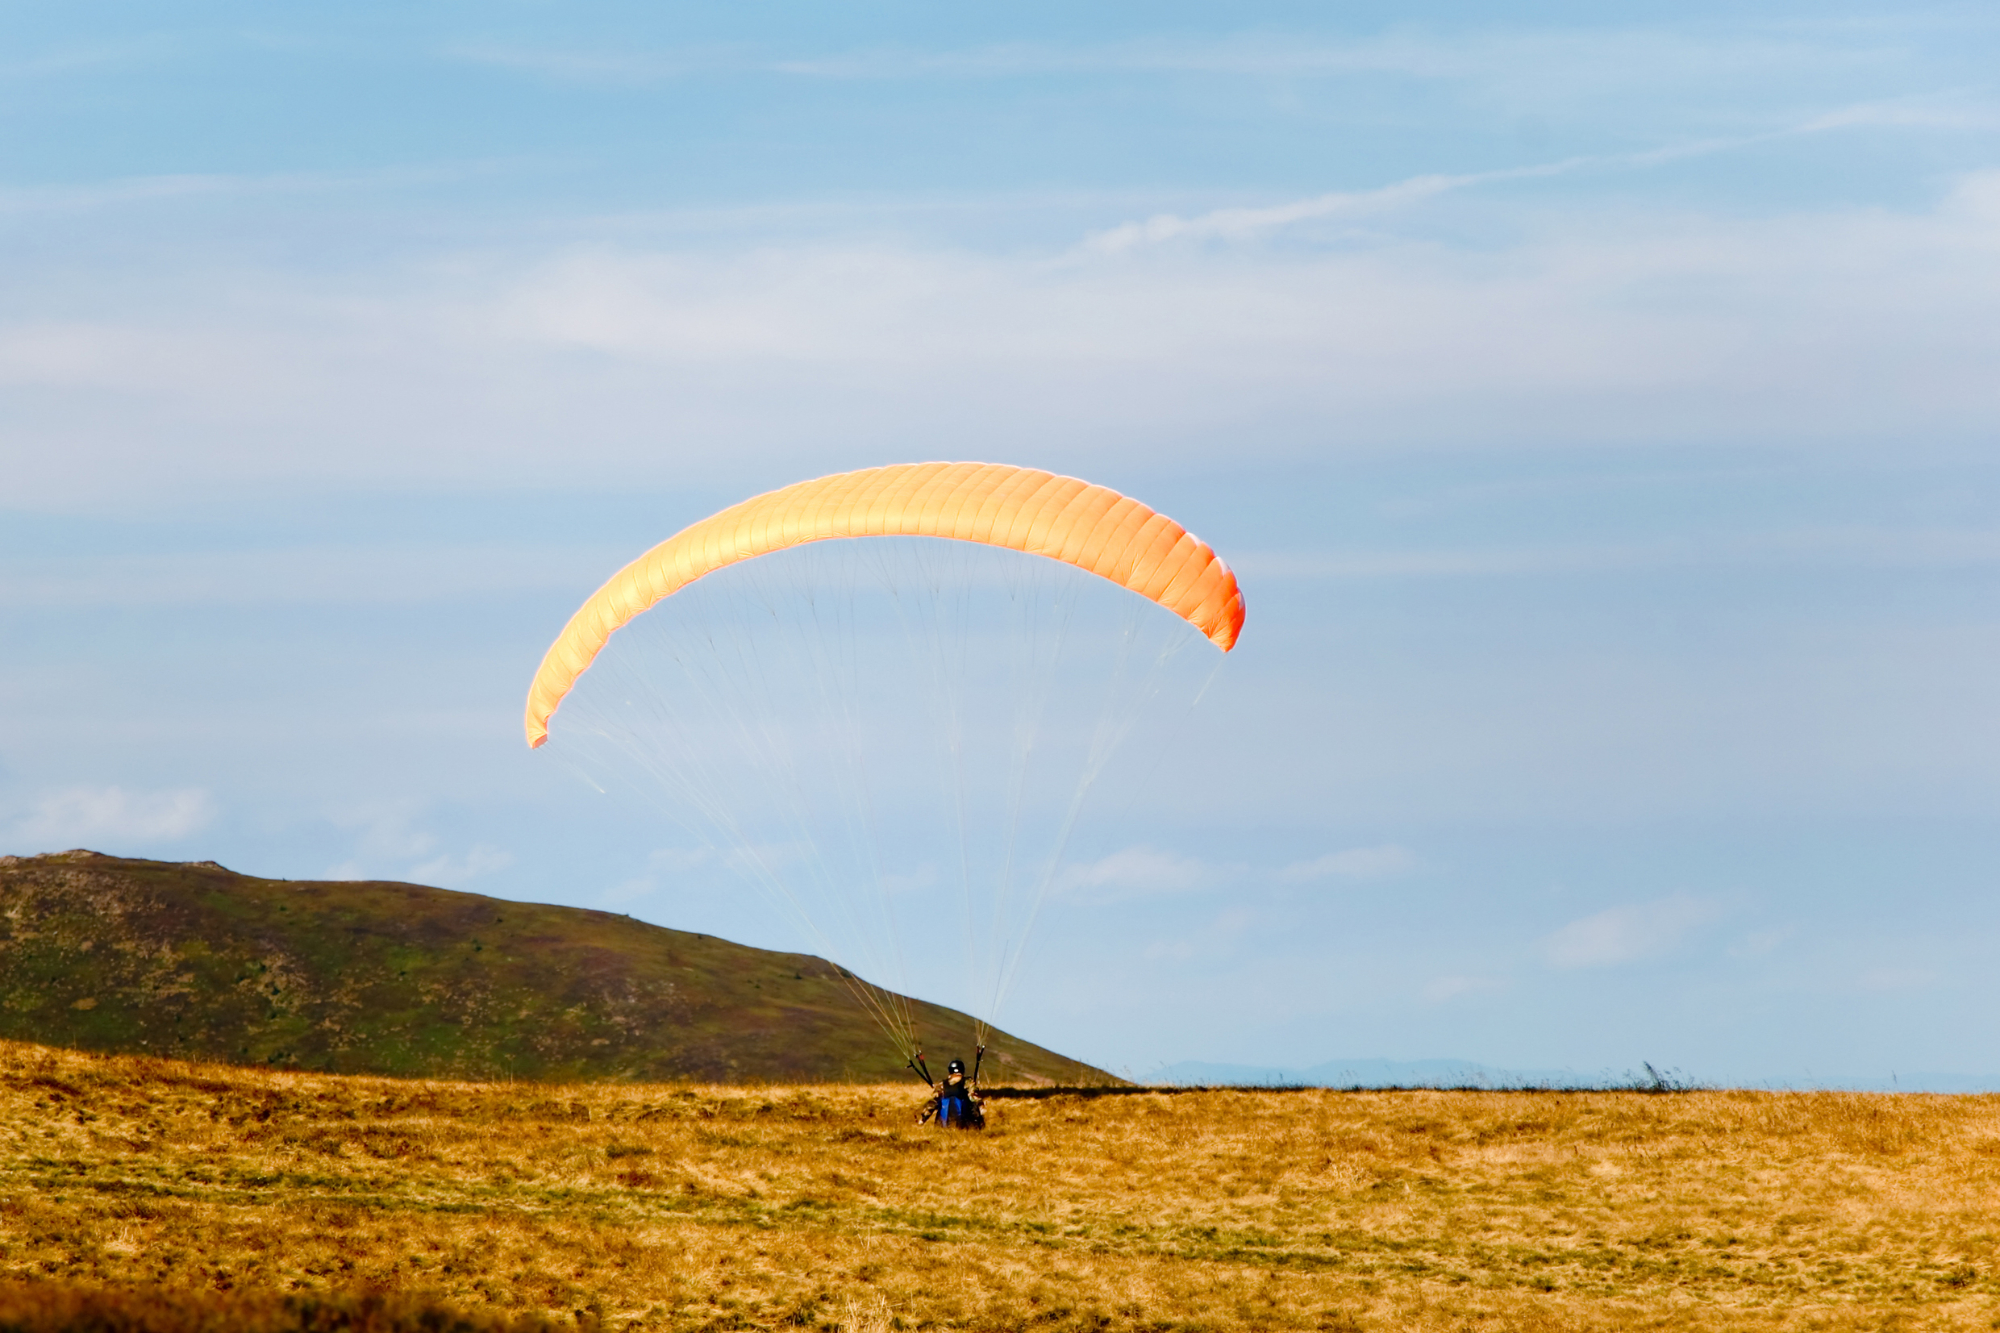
(1599, 407)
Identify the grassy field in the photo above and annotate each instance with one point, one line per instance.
(683, 1206)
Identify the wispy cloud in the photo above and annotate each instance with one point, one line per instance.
(1546, 63)
(1140, 872)
(75, 816)
(1629, 934)
(1245, 56)
(663, 865)
(1442, 990)
(1854, 548)
(762, 866)
(603, 66)
(115, 193)
(1135, 872)
(60, 62)
(389, 843)
(1958, 110)
(127, 192)
(1598, 329)
(1759, 943)
(308, 575)
(1354, 863)
(382, 833)
(454, 871)
(1218, 935)
(1243, 224)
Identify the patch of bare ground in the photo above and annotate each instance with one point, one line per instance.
(663, 1206)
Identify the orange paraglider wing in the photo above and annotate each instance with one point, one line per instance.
(1023, 509)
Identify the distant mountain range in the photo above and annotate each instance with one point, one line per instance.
(1466, 1074)
(189, 960)
(1361, 1074)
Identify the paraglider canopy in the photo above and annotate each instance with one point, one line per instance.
(1024, 509)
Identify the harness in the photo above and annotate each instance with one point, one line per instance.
(953, 1107)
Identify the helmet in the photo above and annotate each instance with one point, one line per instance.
(955, 1067)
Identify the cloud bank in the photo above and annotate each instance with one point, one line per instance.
(602, 365)
(1628, 934)
(113, 816)
(1354, 863)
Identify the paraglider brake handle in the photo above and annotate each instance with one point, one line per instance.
(978, 1057)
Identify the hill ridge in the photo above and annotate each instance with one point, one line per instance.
(192, 960)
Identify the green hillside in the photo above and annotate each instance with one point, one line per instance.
(197, 962)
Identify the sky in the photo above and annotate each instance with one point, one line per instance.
(1597, 403)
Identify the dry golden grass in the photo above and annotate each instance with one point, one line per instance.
(665, 1206)
(63, 1307)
